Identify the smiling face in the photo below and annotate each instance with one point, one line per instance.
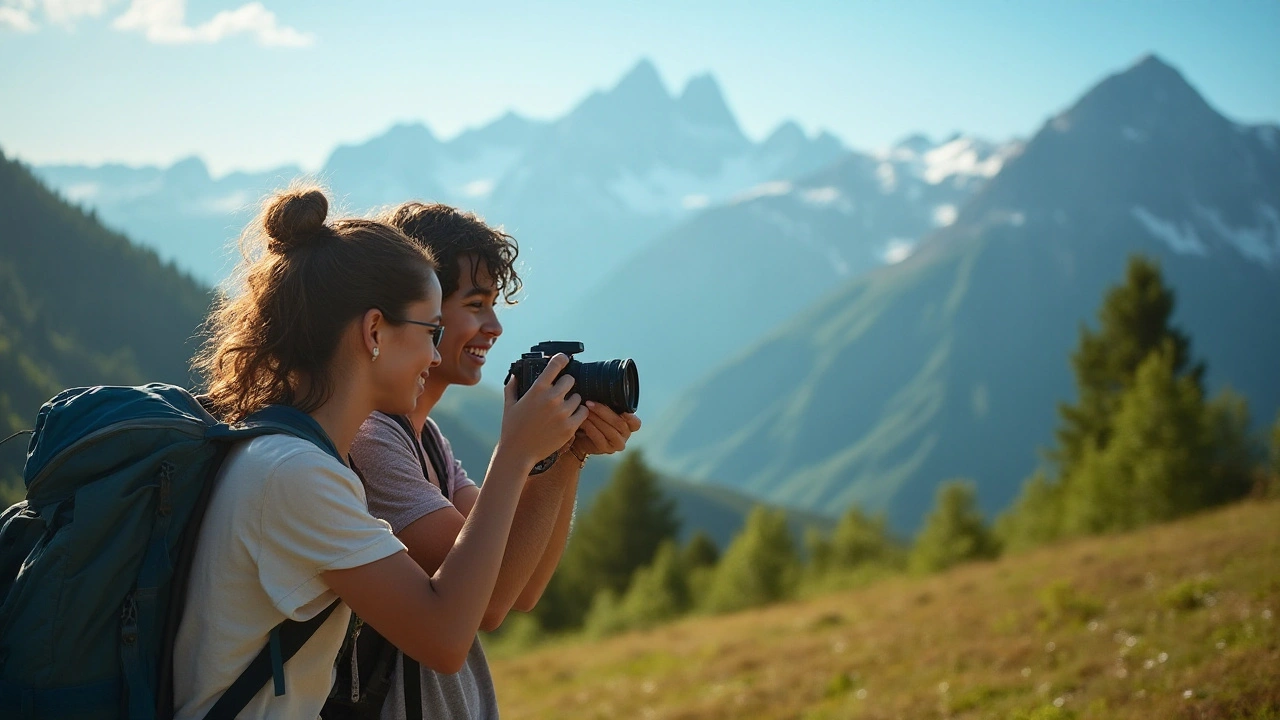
(406, 353)
(472, 323)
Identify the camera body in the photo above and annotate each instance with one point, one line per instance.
(615, 383)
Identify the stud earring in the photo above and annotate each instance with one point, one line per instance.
(375, 354)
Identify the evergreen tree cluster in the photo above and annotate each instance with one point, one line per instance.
(1142, 444)
(624, 569)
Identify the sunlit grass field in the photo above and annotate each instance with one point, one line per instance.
(1176, 621)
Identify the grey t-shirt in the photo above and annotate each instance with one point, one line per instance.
(398, 493)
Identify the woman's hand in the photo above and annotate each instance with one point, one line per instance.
(545, 418)
(604, 432)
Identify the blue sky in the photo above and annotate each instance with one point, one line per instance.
(254, 85)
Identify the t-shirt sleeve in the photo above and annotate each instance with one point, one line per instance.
(397, 490)
(313, 519)
(457, 474)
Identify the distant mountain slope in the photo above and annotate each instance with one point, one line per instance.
(718, 282)
(951, 362)
(80, 305)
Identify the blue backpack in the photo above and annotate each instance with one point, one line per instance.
(94, 563)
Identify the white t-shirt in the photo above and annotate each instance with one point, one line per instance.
(283, 512)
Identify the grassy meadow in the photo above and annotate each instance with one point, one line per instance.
(1174, 621)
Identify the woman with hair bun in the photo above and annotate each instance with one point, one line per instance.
(335, 320)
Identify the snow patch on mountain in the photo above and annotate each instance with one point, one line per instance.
(664, 190)
(887, 174)
(1260, 244)
(962, 156)
(897, 250)
(769, 189)
(473, 176)
(1133, 134)
(825, 195)
(231, 203)
(81, 192)
(1181, 238)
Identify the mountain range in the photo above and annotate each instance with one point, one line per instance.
(951, 362)
(82, 305)
(818, 326)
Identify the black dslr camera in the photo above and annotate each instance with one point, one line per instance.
(612, 382)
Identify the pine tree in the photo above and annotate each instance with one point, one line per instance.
(860, 539)
(700, 551)
(1235, 451)
(954, 532)
(621, 532)
(658, 592)
(1133, 322)
(1035, 517)
(760, 565)
(1159, 464)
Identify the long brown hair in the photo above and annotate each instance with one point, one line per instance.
(272, 337)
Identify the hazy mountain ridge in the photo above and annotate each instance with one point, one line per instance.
(704, 282)
(950, 363)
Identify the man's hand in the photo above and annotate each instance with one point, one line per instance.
(604, 432)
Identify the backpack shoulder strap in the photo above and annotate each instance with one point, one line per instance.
(436, 453)
(433, 448)
(286, 639)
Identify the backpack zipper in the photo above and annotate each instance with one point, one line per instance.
(57, 460)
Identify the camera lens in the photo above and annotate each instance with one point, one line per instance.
(615, 383)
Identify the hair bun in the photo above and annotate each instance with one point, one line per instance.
(295, 218)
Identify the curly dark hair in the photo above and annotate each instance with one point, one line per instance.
(272, 336)
(449, 233)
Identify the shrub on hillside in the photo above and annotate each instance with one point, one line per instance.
(954, 532)
(760, 565)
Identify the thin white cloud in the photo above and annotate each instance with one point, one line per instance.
(20, 14)
(164, 22)
(64, 12)
(16, 15)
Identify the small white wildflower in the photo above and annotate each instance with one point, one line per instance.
(1187, 694)
(1093, 626)
(1051, 646)
(1026, 672)
(1059, 702)
(1222, 644)
(943, 687)
(862, 694)
(1163, 657)
(1131, 641)
(1149, 664)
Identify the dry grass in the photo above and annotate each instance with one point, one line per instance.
(1178, 621)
